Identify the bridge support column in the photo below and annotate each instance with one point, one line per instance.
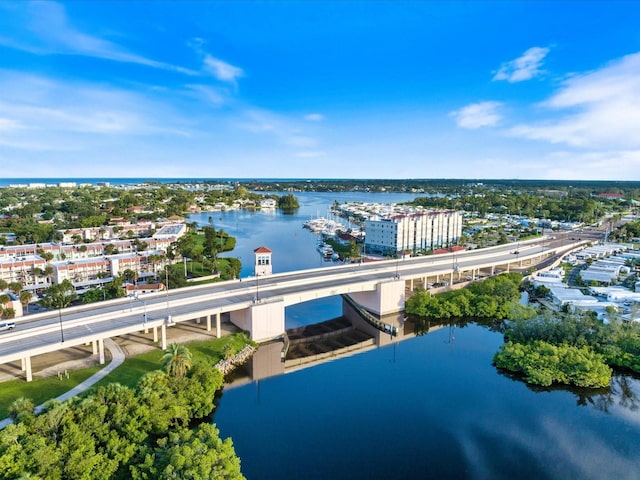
(411, 285)
(22, 365)
(101, 351)
(208, 322)
(94, 345)
(198, 320)
(27, 368)
(451, 279)
(155, 334)
(218, 327)
(388, 297)
(163, 332)
(263, 321)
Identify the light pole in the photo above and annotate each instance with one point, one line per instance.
(144, 304)
(60, 320)
(257, 288)
(166, 288)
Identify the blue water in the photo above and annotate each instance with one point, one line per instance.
(425, 408)
(430, 407)
(293, 246)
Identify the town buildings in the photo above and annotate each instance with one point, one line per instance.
(87, 265)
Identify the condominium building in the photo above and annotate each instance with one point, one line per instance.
(413, 232)
(39, 266)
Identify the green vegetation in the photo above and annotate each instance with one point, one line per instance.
(209, 351)
(545, 347)
(40, 389)
(617, 342)
(288, 202)
(544, 364)
(494, 298)
(120, 432)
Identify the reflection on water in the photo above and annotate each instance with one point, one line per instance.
(427, 404)
(426, 407)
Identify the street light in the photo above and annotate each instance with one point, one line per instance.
(60, 320)
(144, 304)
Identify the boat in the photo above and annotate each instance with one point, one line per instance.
(325, 250)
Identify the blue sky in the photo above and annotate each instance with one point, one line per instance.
(423, 89)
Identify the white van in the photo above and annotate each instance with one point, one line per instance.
(4, 325)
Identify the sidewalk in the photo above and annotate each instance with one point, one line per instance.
(117, 357)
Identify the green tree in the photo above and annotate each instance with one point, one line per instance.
(21, 408)
(60, 295)
(25, 299)
(15, 287)
(195, 454)
(177, 360)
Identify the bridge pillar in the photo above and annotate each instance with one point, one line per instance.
(263, 321)
(94, 346)
(208, 322)
(155, 334)
(198, 320)
(163, 332)
(27, 368)
(101, 351)
(388, 297)
(218, 327)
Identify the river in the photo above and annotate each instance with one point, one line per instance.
(431, 406)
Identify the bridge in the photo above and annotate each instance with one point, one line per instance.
(257, 304)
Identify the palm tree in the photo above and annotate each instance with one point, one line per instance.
(4, 300)
(25, 298)
(177, 360)
(15, 287)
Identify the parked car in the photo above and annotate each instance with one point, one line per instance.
(4, 325)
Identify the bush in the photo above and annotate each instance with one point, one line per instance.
(542, 363)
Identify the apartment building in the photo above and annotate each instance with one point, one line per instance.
(413, 232)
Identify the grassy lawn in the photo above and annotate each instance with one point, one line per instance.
(40, 389)
(133, 368)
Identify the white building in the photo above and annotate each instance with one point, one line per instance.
(262, 264)
(413, 232)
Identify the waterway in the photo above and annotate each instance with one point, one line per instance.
(427, 407)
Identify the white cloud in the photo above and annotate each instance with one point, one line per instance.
(598, 109)
(314, 117)
(44, 114)
(477, 115)
(212, 95)
(222, 70)
(7, 124)
(285, 130)
(45, 29)
(522, 68)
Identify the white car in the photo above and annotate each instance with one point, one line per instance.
(7, 325)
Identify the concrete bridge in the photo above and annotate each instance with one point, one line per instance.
(257, 304)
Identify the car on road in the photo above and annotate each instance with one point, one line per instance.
(7, 325)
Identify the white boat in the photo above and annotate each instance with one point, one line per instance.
(325, 250)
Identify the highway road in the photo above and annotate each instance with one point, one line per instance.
(44, 332)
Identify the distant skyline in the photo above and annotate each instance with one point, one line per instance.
(335, 89)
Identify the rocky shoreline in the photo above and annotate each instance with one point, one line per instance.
(227, 365)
